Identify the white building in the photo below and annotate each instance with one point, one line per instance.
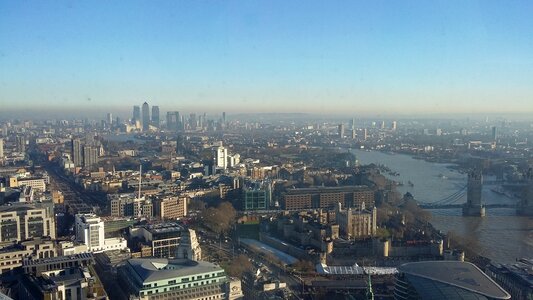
(90, 231)
(221, 157)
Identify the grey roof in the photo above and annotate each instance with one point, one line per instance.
(155, 269)
(463, 275)
(266, 249)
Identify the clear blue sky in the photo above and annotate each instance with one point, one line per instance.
(310, 56)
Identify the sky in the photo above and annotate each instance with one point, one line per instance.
(381, 57)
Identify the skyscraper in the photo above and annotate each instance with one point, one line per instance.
(90, 156)
(341, 131)
(1, 148)
(221, 157)
(21, 144)
(352, 124)
(192, 122)
(393, 126)
(145, 116)
(224, 117)
(155, 115)
(494, 133)
(77, 152)
(109, 118)
(136, 114)
(173, 120)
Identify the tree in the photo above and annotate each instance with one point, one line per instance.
(304, 266)
(220, 219)
(238, 266)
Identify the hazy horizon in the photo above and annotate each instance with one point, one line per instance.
(341, 57)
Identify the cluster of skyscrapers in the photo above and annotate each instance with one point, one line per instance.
(142, 118)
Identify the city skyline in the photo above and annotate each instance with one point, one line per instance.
(369, 58)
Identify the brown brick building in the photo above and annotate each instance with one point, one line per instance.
(328, 197)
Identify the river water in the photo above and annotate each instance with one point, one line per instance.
(501, 235)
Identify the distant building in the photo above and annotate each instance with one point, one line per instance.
(525, 206)
(21, 144)
(35, 183)
(145, 116)
(221, 157)
(394, 125)
(1, 149)
(161, 278)
(256, 199)
(129, 205)
(341, 131)
(90, 156)
(494, 134)
(328, 197)
(109, 119)
(170, 208)
(136, 114)
(77, 152)
(173, 120)
(473, 205)
(356, 223)
(155, 116)
(445, 280)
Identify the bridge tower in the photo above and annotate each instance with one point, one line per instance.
(473, 206)
(525, 207)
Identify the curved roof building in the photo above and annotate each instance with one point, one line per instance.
(437, 280)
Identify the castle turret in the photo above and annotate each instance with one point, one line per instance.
(525, 206)
(473, 206)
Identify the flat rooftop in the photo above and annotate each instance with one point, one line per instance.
(463, 275)
(155, 269)
(335, 189)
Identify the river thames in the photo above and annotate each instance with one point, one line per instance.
(501, 235)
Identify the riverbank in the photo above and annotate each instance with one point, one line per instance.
(501, 236)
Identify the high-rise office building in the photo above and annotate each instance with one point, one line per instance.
(145, 116)
(90, 156)
(21, 144)
(173, 120)
(224, 117)
(473, 205)
(494, 133)
(365, 134)
(136, 114)
(393, 126)
(1, 148)
(109, 119)
(341, 131)
(382, 125)
(352, 124)
(221, 157)
(192, 122)
(155, 115)
(77, 152)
